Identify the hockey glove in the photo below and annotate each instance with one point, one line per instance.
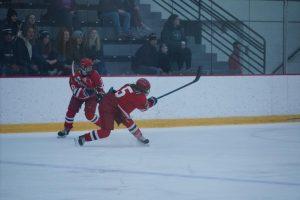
(152, 100)
(99, 96)
(112, 90)
(89, 92)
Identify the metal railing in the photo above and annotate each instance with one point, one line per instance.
(221, 29)
(291, 57)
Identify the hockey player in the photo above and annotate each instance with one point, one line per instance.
(87, 87)
(117, 106)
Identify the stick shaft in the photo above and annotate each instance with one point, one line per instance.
(175, 90)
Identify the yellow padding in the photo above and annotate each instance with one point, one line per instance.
(81, 126)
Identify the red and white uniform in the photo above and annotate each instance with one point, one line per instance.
(80, 85)
(117, 107)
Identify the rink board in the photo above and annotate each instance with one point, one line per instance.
(40, 104)
(162, 123)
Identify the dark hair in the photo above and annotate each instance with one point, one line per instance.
(170, 21)
(61, 46)
(236, 43)
(11, 12)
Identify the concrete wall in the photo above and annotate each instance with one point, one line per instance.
(41, 100)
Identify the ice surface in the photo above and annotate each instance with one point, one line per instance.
(215, 162)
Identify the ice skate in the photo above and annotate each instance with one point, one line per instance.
(142, 139)
(79, 140)
(63, 133)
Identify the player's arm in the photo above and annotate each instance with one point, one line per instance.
(78, 90)
(146, 103)
(99, 86)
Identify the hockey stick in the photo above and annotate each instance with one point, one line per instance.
(198, 75)
(73, 70)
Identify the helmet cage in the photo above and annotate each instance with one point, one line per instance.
(85, 70)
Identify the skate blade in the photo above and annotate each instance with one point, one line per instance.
(76, 142)
(61, 137)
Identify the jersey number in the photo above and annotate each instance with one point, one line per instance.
(122, 92)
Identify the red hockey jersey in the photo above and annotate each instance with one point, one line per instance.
(81, 84)
(128, 100)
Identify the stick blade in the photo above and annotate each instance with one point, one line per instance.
(198, 75)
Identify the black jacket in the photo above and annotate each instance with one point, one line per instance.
(146, 55)
(164, 62)
(21, 53)
(173, 36)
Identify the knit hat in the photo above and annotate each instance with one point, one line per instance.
(152, 36)
(43, 34)
(6, 31)
(77, 34)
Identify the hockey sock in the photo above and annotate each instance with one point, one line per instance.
(134, 130)
(68, 123)
(96, 135)
(96, 120)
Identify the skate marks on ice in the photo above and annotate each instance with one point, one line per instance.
(275, 135)
(97, 170)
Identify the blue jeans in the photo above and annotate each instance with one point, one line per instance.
(115, 16)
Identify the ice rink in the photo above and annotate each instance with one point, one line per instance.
(249, 162)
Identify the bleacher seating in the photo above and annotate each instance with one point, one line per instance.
(116, 52)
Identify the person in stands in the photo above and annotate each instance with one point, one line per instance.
(234, 60)
(145, 60)
(173, 35)
(113, 9)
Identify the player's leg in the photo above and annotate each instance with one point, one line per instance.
(73, 108)
(134, 130)
(107, 124)
(89, 109)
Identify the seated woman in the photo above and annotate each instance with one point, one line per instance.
(94, 50)
(63, 47)
(45, 56)
(30, 21)
(23, 54)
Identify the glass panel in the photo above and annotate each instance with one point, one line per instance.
(293, 38)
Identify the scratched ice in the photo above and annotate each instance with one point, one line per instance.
(214, 162)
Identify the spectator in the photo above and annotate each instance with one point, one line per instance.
(173, 35)
(6, 52)
(45, 56)
(64, 49)
(12, 22)
(234, 62)
(30, 22)
(132, 7)
(63, 12)
(77, 47)
(23, 53)
(112, 9)
(164, 58)
(185, 56)
(94, 51)
(146, 58)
